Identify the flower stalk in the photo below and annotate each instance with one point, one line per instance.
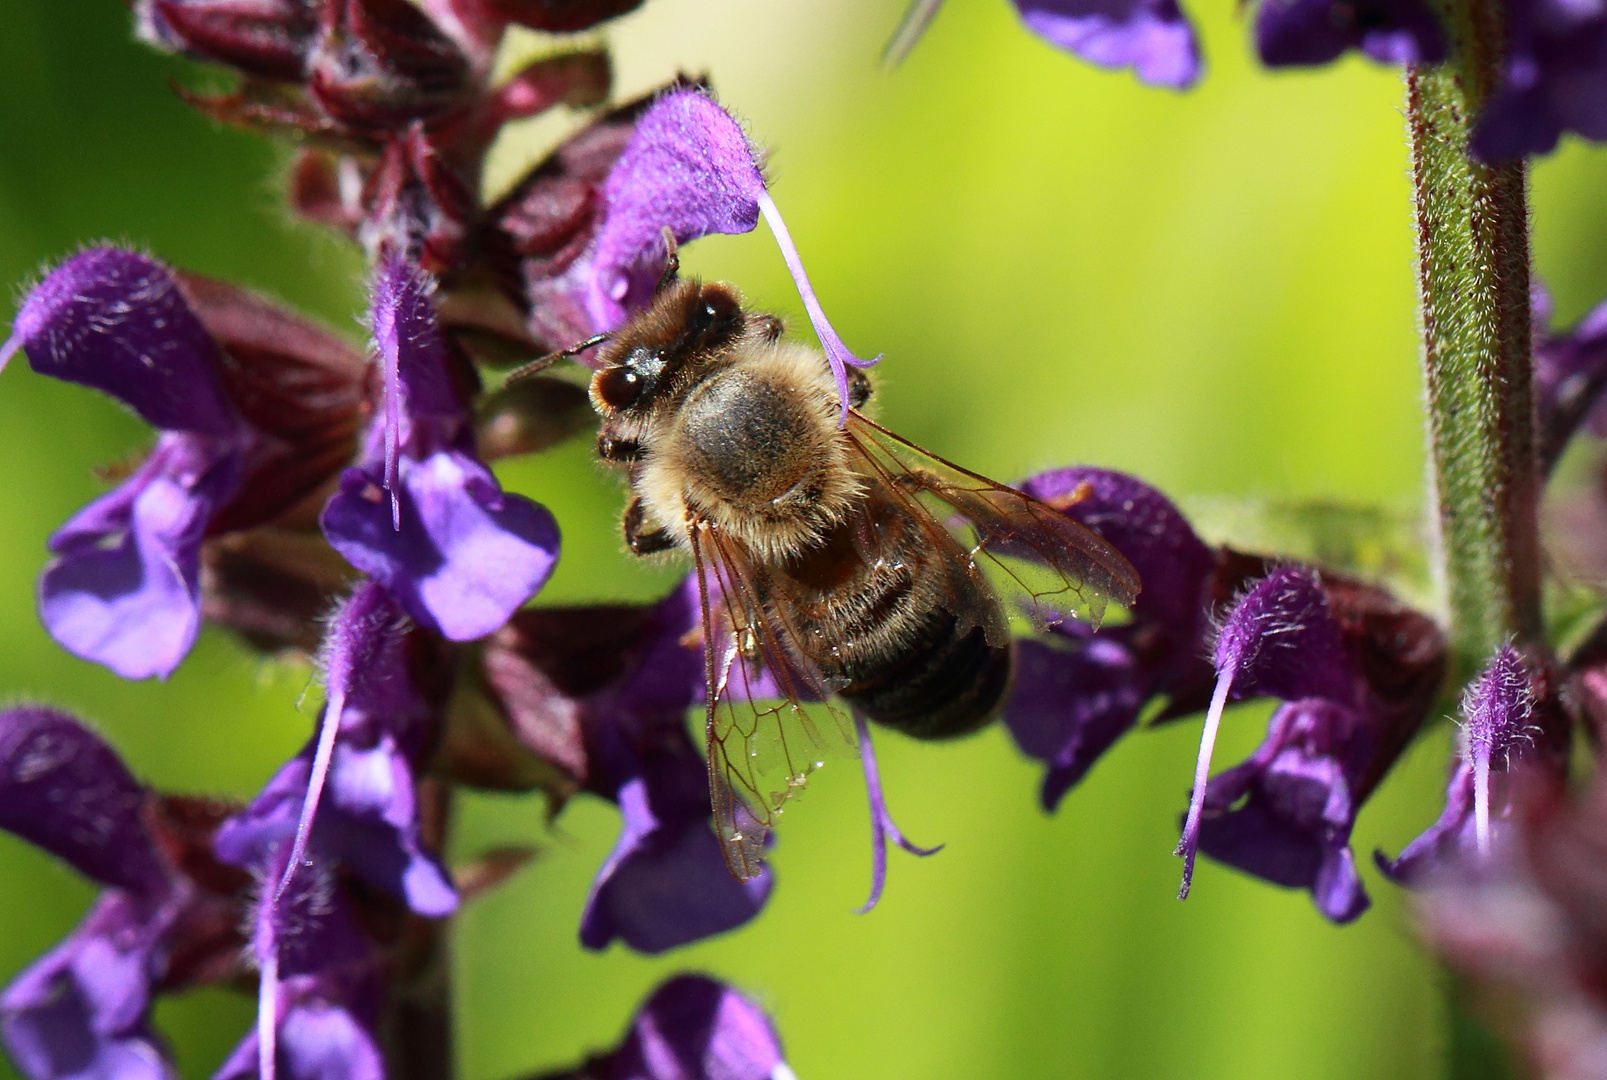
(1473, 280)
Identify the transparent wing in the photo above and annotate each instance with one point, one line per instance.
(769, 721)
(1057, 567)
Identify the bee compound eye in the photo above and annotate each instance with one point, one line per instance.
(618, 387)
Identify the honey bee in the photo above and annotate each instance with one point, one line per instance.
(823, 566)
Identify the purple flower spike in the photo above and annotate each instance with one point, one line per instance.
(375, 727)
(421, 514)
(1309, 32)
(1279, 639)
(693, 1028)
(1497, 736)
(882, 825)
(1554, 80)
(1078, 691)
(690, 168)
(1153, 37)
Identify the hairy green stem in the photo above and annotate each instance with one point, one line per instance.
(1473, 278)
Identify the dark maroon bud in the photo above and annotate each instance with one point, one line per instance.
(207, 946)
(326, 188)
(576, 79)
(547, 221)
(531, 415)
(264, 114)
(379, 65)
(540, 666)
(417, 208)
(300, 387)
(273, 587)
(1401, 656)
(266, 38)
(561, 16)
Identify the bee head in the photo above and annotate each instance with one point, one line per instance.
(688, 321)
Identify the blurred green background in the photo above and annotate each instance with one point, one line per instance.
(1212, 290)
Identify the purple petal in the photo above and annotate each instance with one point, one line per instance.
(1554, 80)
(63, 788)
(80, 1012)
(124, 590)
(1282, 640)
(694, 1027)
(1143, 525)
(689, 168)
(1153, 37)
(666, 883)
(114, 320)
(413, 361)
(1449, 840)
(882, 826)
(1307, 32)
(1285, 815)
(1069, 706)
(368, 819)
(318, 1036)
(464, 557)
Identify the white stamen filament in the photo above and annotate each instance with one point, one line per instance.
(1481, 802)
(315, 783)
(1189, 843)
(268, 1014)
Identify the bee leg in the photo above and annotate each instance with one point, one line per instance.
(637, 538)
(858, 388)
(672, 265)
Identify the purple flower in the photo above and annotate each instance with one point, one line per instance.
(1554, 80)
(421, 514)
(602, 693)
(1309, 32)
(1153, 37)
(1356, 674)
(83, 1009)
(1077, 690)
(123, 588)
(245, 433)
(1502, 717)
(1570, 372)
(324, 1030)
(692, 1028)
(320, 978)
(378, 726)
(686, 167)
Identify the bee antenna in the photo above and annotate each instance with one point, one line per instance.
(672, 268)
(542, 363)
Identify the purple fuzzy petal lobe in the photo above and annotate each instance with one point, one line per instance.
(114, 320)
(63, 788)
(694, 1028)
(690, 168)
(1309, 32)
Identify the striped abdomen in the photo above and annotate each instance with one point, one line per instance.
(878, 613)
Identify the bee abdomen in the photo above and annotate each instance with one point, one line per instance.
(943, 684)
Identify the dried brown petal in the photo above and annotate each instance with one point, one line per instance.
(531, 415)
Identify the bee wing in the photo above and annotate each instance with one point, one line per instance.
(1053, 563)
(763, 742)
